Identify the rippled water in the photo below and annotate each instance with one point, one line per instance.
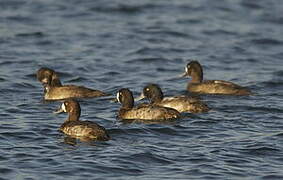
(110, 44)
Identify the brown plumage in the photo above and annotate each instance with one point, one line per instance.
(181, 103)
(144, 112)
(54, 90)
(48, 76)
(197, 85)
(70, 91)
(80, 129)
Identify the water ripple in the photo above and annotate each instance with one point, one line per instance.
(31, 34)
(267, 42)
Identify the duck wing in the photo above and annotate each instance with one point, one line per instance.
(72, 91)
(86, 129)
(218, 87)
(149, 112)
(185, 104)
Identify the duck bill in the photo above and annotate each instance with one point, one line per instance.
(142, 96)
(114, 100)
(58, 111)
(185, 74)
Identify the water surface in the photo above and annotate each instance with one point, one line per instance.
(110, 45)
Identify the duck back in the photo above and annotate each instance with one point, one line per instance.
(217, 87)
(149, 112)
(185, 104)
(87, 129)
(71, 91)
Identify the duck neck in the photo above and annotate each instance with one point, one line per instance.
(128, 104)
(74, 116)
(157, 98)
(55, 81)
(197, 77)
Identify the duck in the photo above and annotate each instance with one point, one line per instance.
(198, 85)
(143, 111)
(76, 128)
(54, 90)
(181, 103)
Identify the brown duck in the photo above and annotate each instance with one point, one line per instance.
(77, 128)
(181, 103)
(54, 90)
(144, 111)
(198, 85)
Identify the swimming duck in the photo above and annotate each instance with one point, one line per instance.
(143, 111)
(197, 85)
(54, 90)
(77, 128)
(181, 103)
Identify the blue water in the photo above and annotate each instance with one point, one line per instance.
(113, 44)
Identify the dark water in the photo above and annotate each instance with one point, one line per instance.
(110, 44)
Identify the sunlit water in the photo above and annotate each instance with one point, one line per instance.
(108, 45)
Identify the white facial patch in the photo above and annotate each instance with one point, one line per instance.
(63, 107)
(187, 69)
(44, 80)
(118, 97)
